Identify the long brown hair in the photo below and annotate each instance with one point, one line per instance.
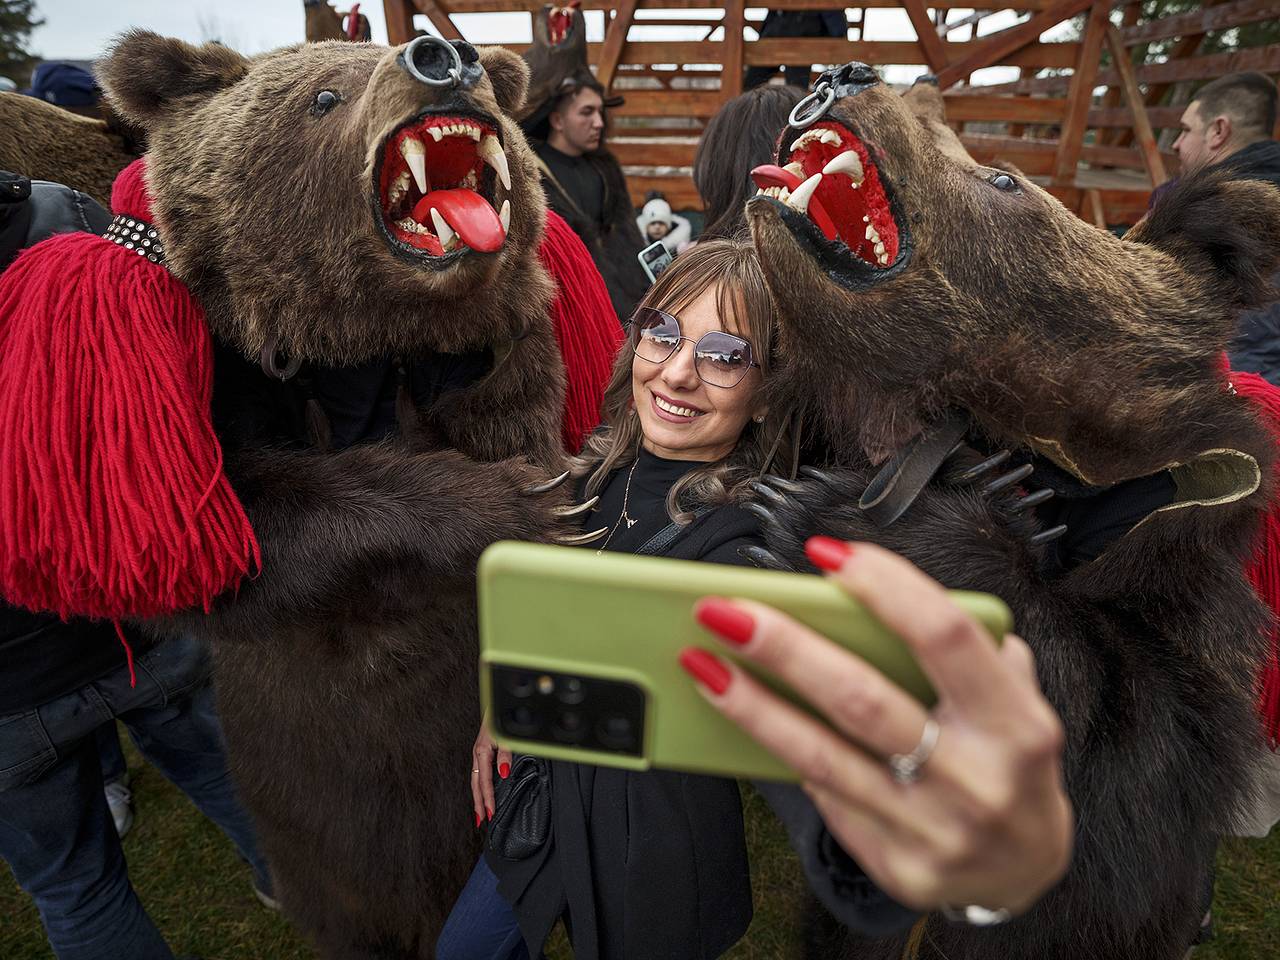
(732, 268)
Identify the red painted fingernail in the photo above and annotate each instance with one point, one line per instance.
(725, 620)
(706, 669)
(827, 553)
(477, 821)
(488, 812)
(504, 770)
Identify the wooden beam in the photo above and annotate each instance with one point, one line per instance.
(1132, 12)
(1006, 109)
(1071, 139)
(1162, 118)
(533, 6)
(1094, 199)
(972, 19)
(1201, 21)
(399, 16)
(438, 14)
(615, 40)
(932, 46)
(1133, 96)
(995, 48)
(881, 52)
(731, 72)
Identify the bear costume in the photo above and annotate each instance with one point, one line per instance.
(1023, 404)
(362, 228)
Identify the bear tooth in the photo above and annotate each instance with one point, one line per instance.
(491, 152)
(830, 136)
(399, 188)
(879, 248)
(795, 168)
(443, 230)
(470, 181)
(504, 215)
(883, 259)
(801, 195)
(473, 133)
(871, 233)
(415, 155)
(847, 163)
(436, 133)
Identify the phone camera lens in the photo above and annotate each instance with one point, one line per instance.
(572, 692)
(520, 683)
(615, 731)
(521, 721)
(570, 726)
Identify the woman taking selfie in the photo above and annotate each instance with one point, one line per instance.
(653, 864)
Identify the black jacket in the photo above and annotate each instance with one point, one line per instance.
(1256, 348)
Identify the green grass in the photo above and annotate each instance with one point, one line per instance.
(199, 893)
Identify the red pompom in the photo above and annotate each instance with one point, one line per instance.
(586, 326)
(129, 194)
(113, 503)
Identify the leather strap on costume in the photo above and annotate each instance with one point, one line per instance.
(137, 235)
(899, 482)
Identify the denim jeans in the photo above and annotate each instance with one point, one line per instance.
(482, 925)
(56, 830)
(110, 754)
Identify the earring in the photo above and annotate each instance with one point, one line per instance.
(759, 419)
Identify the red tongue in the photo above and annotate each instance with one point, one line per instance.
(470, 215)
(769, 175)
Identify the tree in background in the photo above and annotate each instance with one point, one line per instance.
(17, 20)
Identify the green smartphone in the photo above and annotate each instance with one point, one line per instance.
(578, 654)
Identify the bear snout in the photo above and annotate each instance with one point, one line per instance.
(439, 63)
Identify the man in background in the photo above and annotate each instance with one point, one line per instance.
(1230, 124)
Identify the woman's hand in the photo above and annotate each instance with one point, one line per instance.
(987, 822)
(485, 755)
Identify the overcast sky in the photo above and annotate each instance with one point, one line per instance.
(81, 29)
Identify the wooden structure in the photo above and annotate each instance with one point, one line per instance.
(1087, 129)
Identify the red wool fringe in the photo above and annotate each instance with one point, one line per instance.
(586, 326)
(1264, 571)
(113, 503)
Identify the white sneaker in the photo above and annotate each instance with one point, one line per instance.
(120, 800)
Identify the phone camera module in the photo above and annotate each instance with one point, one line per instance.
(570, 726)
(572, 692)
(520, 721)
(520, 683)
(615, 731)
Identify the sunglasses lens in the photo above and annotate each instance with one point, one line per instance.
(723, 359)
(656, 335)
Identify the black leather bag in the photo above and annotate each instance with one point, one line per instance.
(521, 820)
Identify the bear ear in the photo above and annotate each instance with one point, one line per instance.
(144, 74)
(1224, 228)
(509, 75)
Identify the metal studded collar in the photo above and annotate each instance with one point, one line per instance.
(136, 235)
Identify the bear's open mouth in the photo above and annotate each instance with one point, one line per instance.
(560, 21)
(437, 186)
(828, 184)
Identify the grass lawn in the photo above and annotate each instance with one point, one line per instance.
(199, 893)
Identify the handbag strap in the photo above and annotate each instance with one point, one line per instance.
(661, 541)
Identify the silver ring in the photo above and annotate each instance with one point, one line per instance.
(455, 72)
(476, 770)
(824, 91)
(906, 766)
(975, 915)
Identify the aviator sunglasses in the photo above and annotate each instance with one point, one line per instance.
(720, 358)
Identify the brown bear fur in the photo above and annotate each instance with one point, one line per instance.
(346, 670)
(1094, 360)
(323, 23)
(45, 142)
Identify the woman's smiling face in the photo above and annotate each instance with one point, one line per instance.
(681, 417)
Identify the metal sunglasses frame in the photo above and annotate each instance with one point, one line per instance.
(635, 325)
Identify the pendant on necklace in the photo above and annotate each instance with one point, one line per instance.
(631, 523)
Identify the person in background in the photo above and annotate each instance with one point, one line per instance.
(584, 183)
(62, 687)
(796, 23)
(657, 222)
(736, 140)
(1229, 125)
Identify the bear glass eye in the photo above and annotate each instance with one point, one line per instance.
(325, 101)
(1002, 181)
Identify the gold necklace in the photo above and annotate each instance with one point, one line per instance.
(626, 496)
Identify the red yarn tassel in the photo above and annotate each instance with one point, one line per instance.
(586, 326)
(113, 503)
(1264, 571)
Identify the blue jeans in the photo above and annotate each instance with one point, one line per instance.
(110, 753)
(56, 830)
(482, 925)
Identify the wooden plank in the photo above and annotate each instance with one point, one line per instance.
(669, 103)
(438, 14)
(1131, 15)
(731, 72)
(1210, 67)
(996, 47)
(972, 19)
(533, 6)
(677, 188)
(1005, 109)
(399, 16)
(932, 46)
(669, 153)
(1133, 96)
(1071, 139)
(615, 40)
(1161, 117)
(882, 52)
(1093, 198)
(987, 147)
(1201, 21)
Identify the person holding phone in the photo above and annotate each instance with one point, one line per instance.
(654, 863)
